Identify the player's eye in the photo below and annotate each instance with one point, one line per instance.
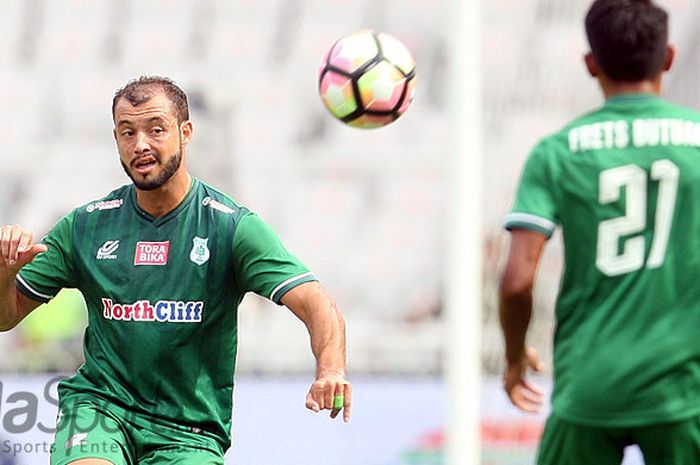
(127, 133)
(157, 131)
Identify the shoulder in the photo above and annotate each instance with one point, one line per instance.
(680, 111)
(219, 203)
(562, 135)
(112, 201)
(558, 143)
(64, 226)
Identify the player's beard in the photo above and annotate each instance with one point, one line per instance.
(169, 169)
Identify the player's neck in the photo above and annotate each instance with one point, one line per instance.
(612, 88)
(167, 197)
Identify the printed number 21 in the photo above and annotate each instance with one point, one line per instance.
(609, 260)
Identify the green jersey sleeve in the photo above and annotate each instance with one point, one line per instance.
(535, 207)
(52, 270)
(263, 264)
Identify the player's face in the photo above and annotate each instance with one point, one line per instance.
(149, 140)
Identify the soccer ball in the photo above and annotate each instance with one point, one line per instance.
(367, 79)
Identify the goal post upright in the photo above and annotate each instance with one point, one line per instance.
(463, 256)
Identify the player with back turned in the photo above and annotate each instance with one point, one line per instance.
(163, 264)
(623, 183)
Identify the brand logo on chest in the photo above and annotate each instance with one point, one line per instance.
(151, 253)
(108, 251)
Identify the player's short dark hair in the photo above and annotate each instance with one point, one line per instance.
(628, 38)
(137, 92)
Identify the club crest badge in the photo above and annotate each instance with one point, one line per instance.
(200, 252)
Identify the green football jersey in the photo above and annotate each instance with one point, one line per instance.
(623, 182)
(162, 297)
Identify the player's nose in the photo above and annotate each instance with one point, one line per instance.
(141, 144)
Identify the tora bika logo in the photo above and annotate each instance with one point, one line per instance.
(151, 253)
(163, 311)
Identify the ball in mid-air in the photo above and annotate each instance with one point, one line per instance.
(367, 79)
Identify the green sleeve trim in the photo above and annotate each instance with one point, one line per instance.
(289, 284)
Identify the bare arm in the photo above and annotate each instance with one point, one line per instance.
(515, 312)
(16, 250)
(326, 326)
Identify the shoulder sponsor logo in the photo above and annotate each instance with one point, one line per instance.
(151, 253)
(200, 252)
(76, 440)
(211, 203)
(107, 251)
(105, 205)
(163, 311)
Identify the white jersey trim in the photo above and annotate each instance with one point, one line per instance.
(32, 290)
(289, 281)
(529, 218)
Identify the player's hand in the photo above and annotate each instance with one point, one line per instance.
(323, 394)
(523, 394)
(16, 248)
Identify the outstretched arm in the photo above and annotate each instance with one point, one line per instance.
(16, 250)
(326, 326)
(515, 313)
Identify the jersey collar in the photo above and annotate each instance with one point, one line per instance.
(632, 97)
(172, 213)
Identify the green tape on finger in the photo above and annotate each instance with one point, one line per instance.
(338, 402)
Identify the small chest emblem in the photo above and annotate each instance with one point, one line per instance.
(200, 252)
(108, 251)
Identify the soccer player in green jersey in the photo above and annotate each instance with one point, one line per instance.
(623, 183)
(163, 264)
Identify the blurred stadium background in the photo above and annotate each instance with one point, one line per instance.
(364, 209)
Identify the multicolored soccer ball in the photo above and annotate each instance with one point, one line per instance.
(367, 79)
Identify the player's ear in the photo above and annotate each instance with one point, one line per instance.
(670, 55)
(591, 64)
(186, 131)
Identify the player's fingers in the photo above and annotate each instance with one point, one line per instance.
(24, 242)
(15, 239)
(30, 254)
(524, 394)
(531, 387)
(311, 403)
(36, 249)
(533, 360)
(537, 366)
(511, 380)
(520, 400)
(328, 393)
(318, 395)
(531, 397)
(348, 402)
(12, 245)
(5, 233)
(514, 395)
(526, 407)
(338, 399)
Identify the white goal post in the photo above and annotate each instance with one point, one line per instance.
(463, 270)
